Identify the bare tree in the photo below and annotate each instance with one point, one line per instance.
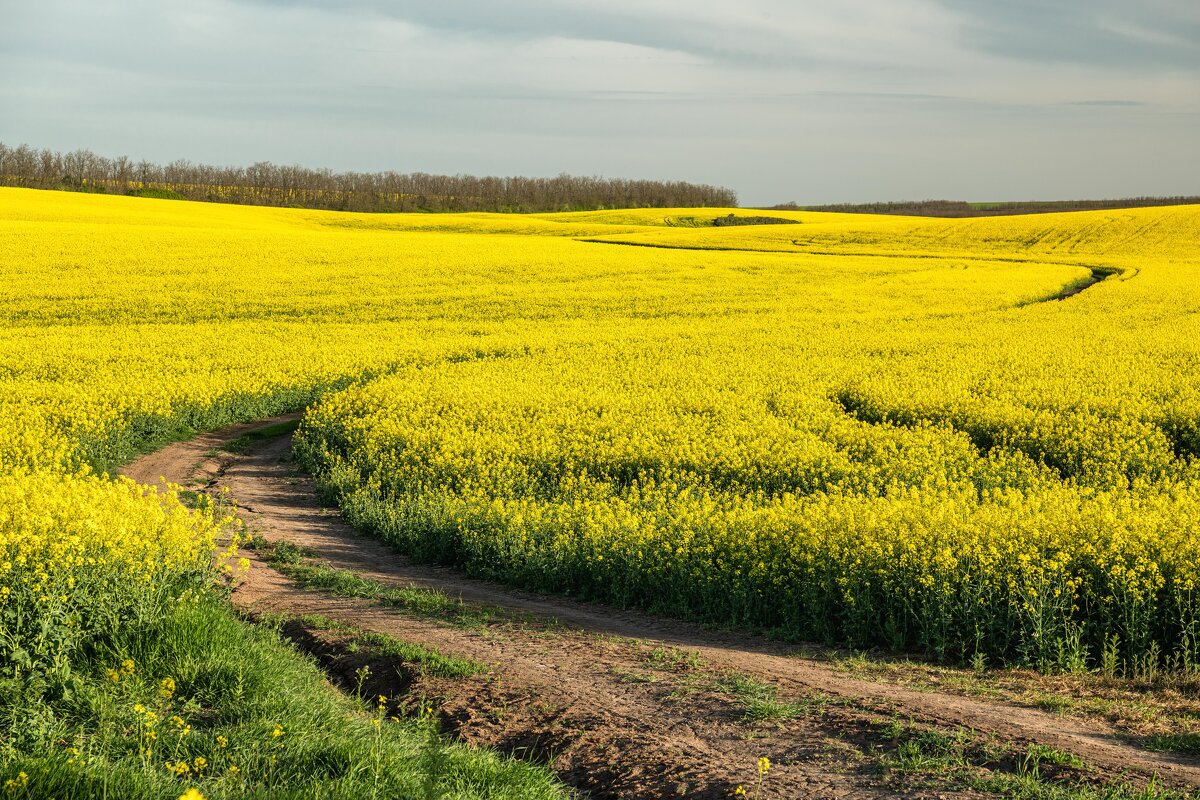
(265, 183)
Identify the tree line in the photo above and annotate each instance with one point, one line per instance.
(270, 184)
(960, 208)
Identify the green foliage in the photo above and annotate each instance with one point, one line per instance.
(197, 697)
(156, 193)
(1183, 743)
(292, 561)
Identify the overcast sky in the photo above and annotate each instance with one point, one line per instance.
(778, 99)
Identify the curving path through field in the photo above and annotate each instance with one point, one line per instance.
(614, 700)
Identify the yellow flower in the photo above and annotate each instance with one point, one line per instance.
(275, 734)
(19, 782)
(764, 764)
(222, 742)
(191, 794)
(774, 415)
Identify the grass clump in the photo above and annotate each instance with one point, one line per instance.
(1187, 744)
(917, 756)
(292, 560)
(760, 702)
(370, 643)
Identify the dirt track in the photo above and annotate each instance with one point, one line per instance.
(604, 694)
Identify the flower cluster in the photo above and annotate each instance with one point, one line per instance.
(866, 429)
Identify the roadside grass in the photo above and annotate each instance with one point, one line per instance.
(1160, 711)
(370, 644)
(916, 756)
(924, 750)
(294, 562)
(197, 697)
(909, 756)
(1183, 743)
(759, 702)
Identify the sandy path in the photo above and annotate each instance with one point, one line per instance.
(616, 722)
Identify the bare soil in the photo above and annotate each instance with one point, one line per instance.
(620, 704)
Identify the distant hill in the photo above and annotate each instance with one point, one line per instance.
(961, 208)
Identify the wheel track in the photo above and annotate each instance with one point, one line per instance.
(622, 738)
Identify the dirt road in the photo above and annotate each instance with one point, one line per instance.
(621, 704)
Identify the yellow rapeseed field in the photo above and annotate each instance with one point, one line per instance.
(875, 430)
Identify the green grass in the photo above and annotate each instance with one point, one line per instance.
(1044, 754)
(429, 603)
(245, 699)
(921, 756)
(771, 709)
(923, 750)
(760, 702)
(673, 658)
(428, 661)
(1182, 743)
(157, 194)
(1031, 786)
(248, 440)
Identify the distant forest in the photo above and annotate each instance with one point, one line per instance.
(959, 208)
(267, 184)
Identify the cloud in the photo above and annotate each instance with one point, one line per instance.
(757, 32)
(779, 99)
(1107, 103)
(1147, 35)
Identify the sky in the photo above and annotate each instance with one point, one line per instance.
(780, 100)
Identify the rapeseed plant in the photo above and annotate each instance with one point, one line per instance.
(881, 431)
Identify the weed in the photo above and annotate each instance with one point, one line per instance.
(1044, 754)
(1183, 743)
(760, 701)
(674, 658)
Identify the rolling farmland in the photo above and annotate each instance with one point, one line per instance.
(974, 440)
